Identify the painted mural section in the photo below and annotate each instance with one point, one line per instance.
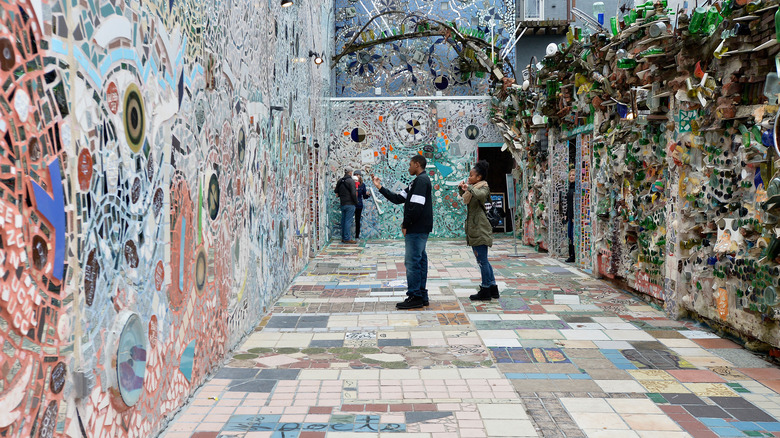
(158, 166)
(419, 66)
(380, 138)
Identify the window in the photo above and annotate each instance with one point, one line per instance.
(533, 9)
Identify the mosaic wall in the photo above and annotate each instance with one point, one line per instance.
(584, 230)
(132, 257)
(380, 137)
(559, 184)
(421, 66)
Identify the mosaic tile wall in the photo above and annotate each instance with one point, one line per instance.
(559, 180)
(421, 66)
(380, 137)
(132, 257)
(584, 230)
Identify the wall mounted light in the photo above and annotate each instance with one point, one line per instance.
(317, 58)
(287, 3)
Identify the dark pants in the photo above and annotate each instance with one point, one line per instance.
(416, 263)
(571, 239)
(358, 214)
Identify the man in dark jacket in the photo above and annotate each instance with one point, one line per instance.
(345, 188)
(417, 224)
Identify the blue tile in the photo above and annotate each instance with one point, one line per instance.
(626, 366)
(710, 422)
(767, 426)
(392, 427)
(515, 375)
(745, 425)
(580, 376)
(727, 431)
(537, 376)
(557, 376)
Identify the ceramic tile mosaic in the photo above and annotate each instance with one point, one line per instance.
(418, 66)
(133, 258)
(440, 133)
(620, 369)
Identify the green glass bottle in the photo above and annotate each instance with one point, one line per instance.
(627, 63)
(613, 23)
(727, 7)
(698, 20)
(713, 20)
(777, 25)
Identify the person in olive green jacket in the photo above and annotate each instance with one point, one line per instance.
(479, 232)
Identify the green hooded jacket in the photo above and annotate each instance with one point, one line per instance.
(478, 228)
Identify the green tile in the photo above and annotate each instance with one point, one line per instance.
(656, 397)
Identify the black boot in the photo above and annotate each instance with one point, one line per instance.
(482, 295)
(571, 254)
(494, 291)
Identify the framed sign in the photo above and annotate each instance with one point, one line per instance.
(497, 199)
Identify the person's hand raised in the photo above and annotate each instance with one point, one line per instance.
(377, 182)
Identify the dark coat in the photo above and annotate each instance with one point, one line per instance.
(345, 188)
(418, 204)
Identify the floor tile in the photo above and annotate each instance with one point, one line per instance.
(559, 355)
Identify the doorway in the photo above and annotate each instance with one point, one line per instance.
(501, 164)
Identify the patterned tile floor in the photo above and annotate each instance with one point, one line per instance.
(560, 354)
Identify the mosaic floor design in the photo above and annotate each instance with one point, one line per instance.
(560, 354)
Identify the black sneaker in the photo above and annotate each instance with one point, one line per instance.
(411, 303)
(494, 292)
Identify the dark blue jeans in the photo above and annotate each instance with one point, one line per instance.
(416, 263)
(488, 279)
(570, 229)
(347, 217)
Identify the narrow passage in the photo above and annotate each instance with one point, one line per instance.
(560, 354)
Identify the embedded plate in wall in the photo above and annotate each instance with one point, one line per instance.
(128, 365)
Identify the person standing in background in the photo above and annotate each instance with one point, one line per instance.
(347, 193)
(362, 193)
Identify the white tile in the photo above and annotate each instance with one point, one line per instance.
(502, 342)
(566, 299)
(619, 326)
(497, 334)
(583, 404)
(513, 428)
(484, 316)
(613, 345)
(585, 325)
(629, 335)
(620, 386)
(634, 406)
(599, 421)
(697, 334)
(600, 433)
(584, 335)
(497, 411)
